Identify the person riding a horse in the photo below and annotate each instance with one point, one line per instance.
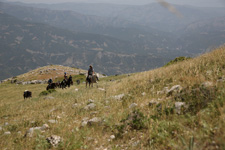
(50, 81)
(65, 76)
(90, 73)
(91, 77)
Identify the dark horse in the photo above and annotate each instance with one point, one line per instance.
(91, 79)
(51, 86)
(66, 83)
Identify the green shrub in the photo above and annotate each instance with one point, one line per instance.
(197, 98)
(134, 121)
(178, 59)
(44, 93)
(51, 90)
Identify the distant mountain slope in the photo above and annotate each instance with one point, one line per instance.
(64, 19)
(143, 37)
(202, 36)
(151, 15)
(26, 45)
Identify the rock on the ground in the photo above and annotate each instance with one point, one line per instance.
(84, 122)
(207, 84)
(179, 106)
(101, 89)
(91, 101)
(54, 140)
(76, 105)
(49, 97)
(133, 105)
(221, 79)
(119, 97)
(112, 137)
(174, 89)
(153, 102)
(45, 127)
(30, 131)
(7, 133)
(52, 121)
(94, 121)
(90, 106)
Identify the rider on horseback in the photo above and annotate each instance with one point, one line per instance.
(90, 73)
(50, 81)
(65, 76)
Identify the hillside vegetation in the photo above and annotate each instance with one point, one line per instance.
(180, 106)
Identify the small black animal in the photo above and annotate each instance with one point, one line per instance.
(27, 94)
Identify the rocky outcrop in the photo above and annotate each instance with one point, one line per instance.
(54, 140)
(30, 131)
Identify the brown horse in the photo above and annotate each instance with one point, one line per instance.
(91, 80)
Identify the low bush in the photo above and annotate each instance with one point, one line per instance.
(178, 59)
(46, 92)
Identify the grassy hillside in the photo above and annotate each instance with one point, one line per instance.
(137, 111)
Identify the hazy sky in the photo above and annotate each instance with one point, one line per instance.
(204, 3)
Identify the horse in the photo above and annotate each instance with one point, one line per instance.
(91, 79)
(63, 84)
(51, 86)
(69, 82)
(66, 83)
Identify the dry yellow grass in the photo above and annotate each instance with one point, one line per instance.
(164, 132)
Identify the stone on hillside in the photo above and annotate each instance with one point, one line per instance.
(76, 90)
(33, 82)
(84, 121)
(135, 144)
(209, 72)
(76, 105)
(91, 101)
(30, 131)
(112, 137)
(133, 105)
(44, 127)
(94, 121)
(221, 79)
(49, 97)
(101, 89)
(164, 91)
(207, 84)
(54, 140)
(160, 92)
(180, 106)
(7, 133)
(119, 97)
(153, 102)
(174, 89)
(53, 121)
(94, 113)
(143, 94)
(90, 106)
